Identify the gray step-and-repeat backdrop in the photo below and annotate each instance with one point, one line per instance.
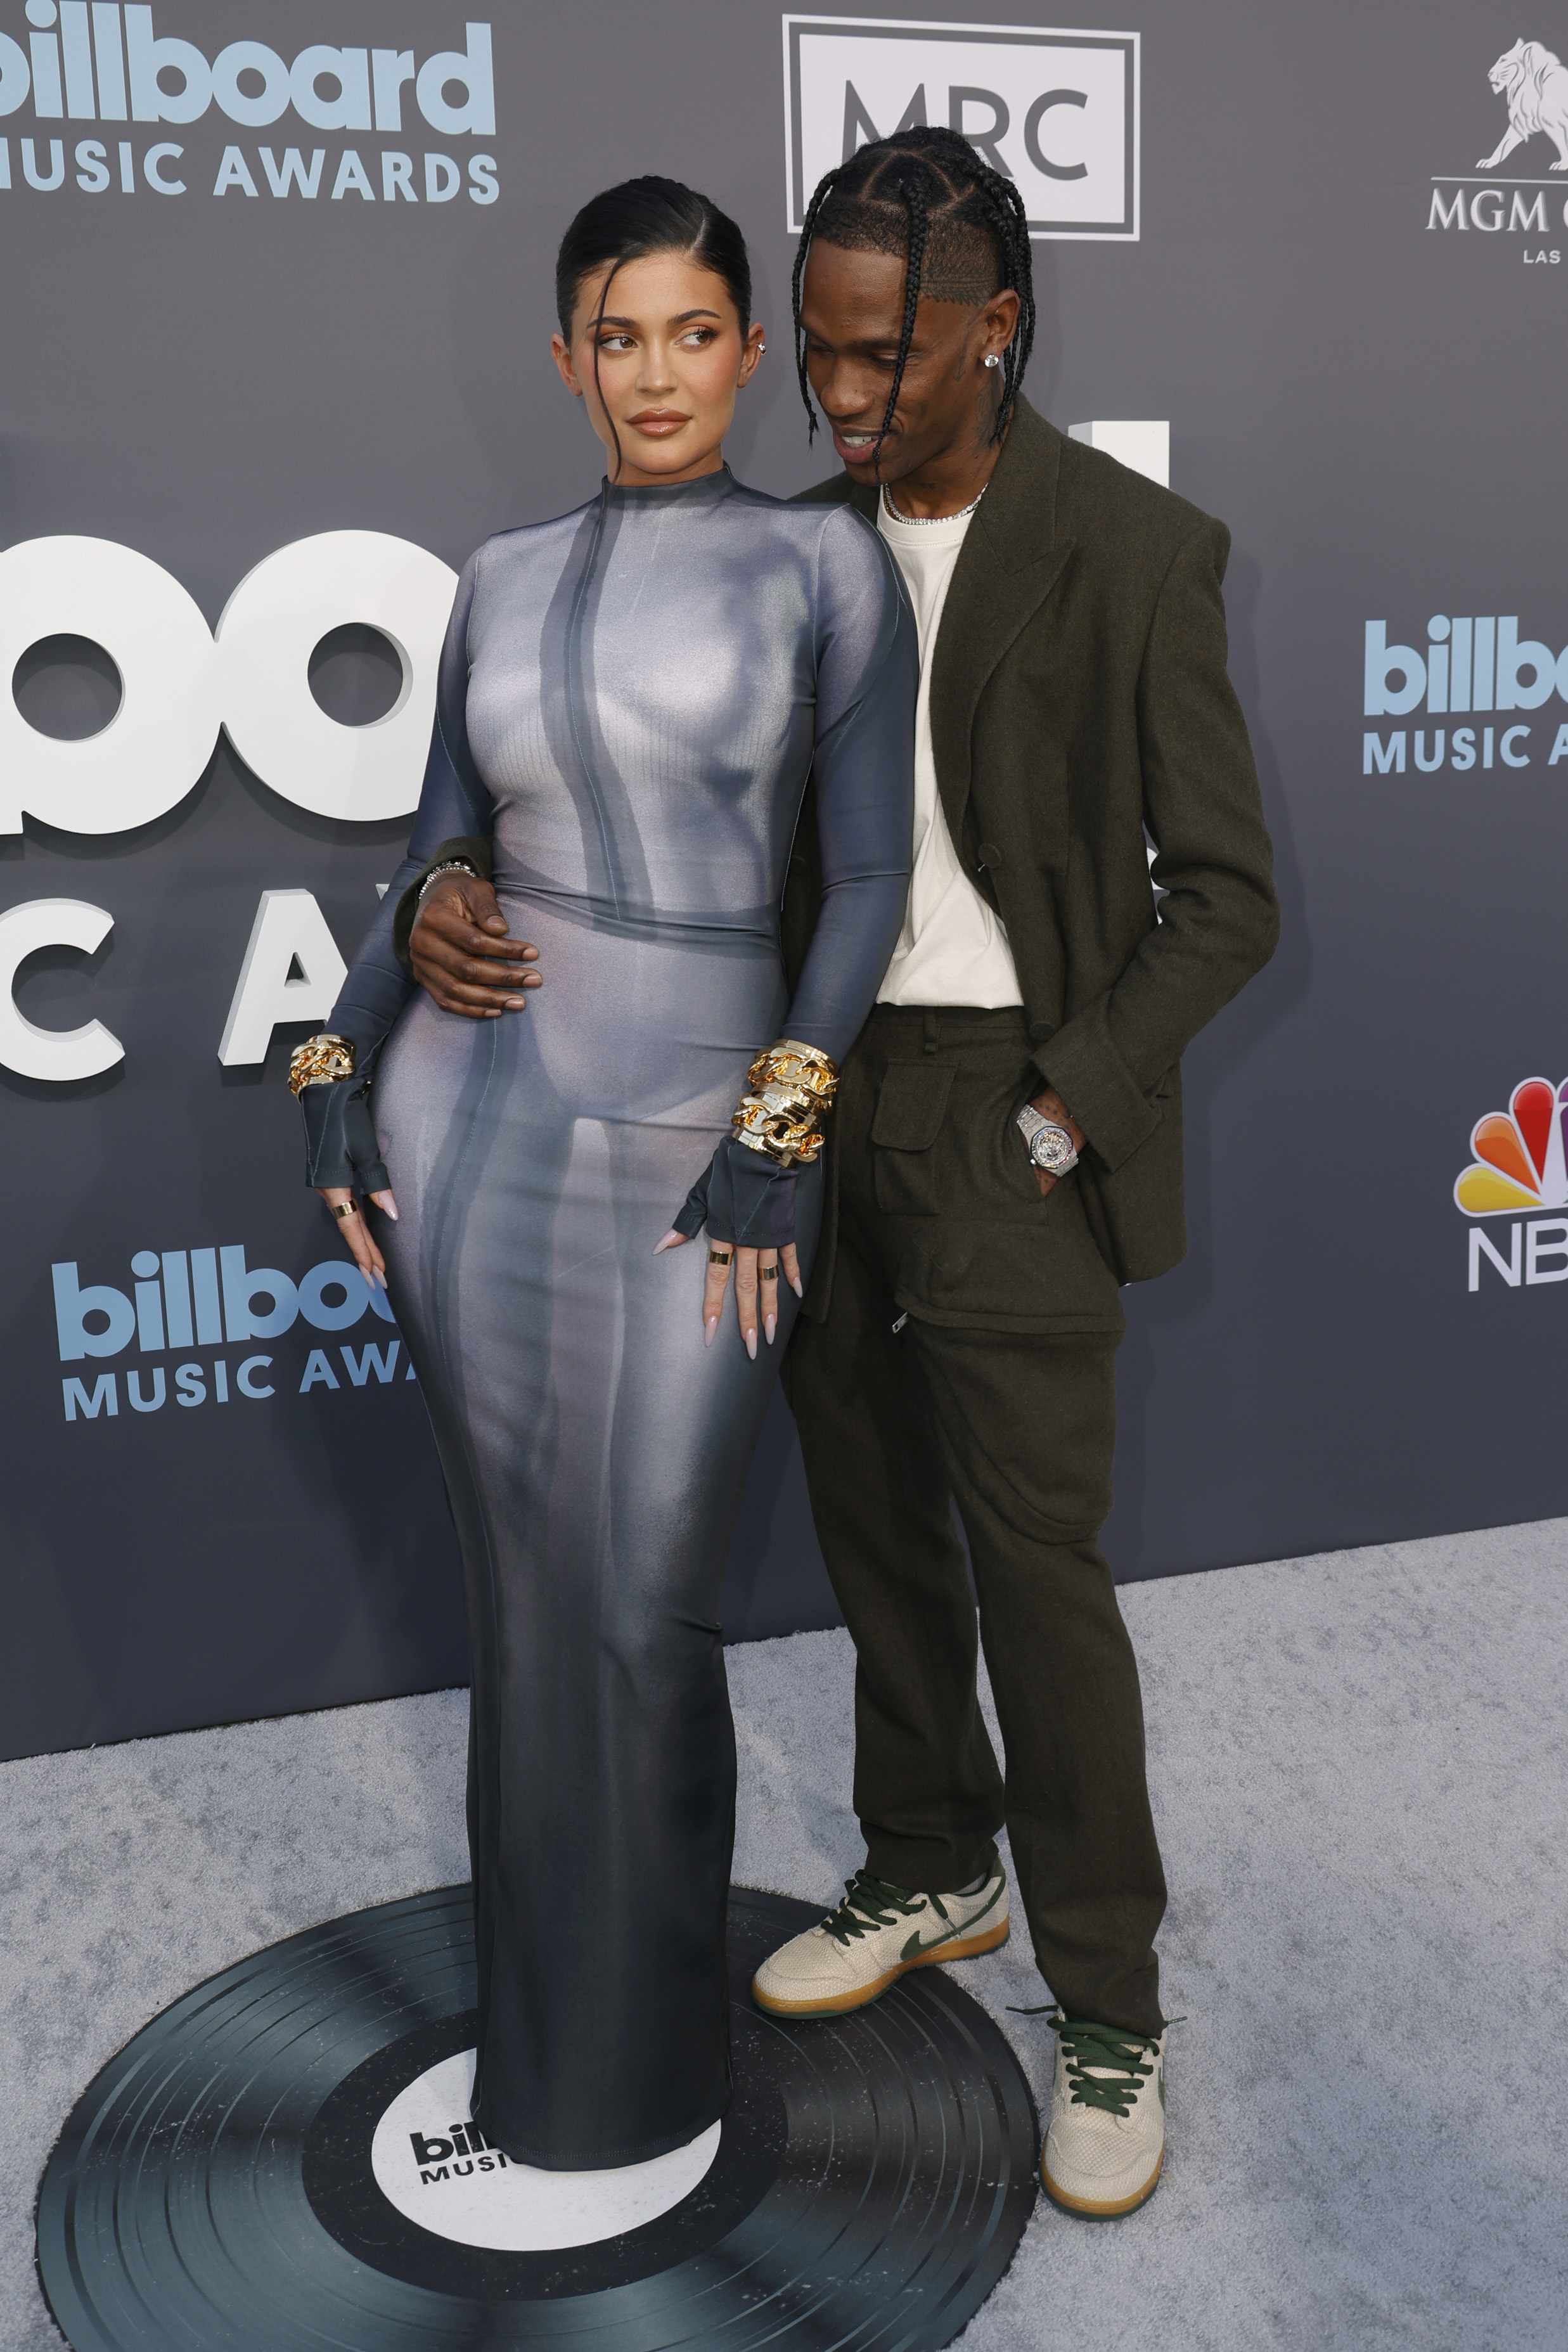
(275, 277)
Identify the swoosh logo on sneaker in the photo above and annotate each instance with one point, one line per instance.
(915, 1945)
(914, 1948)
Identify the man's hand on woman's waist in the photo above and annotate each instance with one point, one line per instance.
(462, 954)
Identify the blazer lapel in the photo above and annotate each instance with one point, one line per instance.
(1010, 560)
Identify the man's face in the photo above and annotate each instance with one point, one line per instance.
(852, 312)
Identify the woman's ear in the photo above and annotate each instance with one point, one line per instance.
(752, 351)
(563, 358)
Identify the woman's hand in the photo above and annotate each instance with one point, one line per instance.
(462, 952)
(355, 1231)
(756, 1286)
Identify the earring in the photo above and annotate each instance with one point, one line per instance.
(992, 359)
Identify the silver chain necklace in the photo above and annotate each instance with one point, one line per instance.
(919, 522)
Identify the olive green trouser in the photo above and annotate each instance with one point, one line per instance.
(967, 1355)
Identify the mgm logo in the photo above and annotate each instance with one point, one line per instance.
(1532, 82)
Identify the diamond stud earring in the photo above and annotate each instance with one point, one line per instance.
(992, 359)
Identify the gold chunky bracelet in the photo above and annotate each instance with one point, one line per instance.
(804, 1067)
(320, 1060)
(792, 1086)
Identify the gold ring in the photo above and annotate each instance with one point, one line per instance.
(768, 1273)
(345, 1208)
(718, 1257)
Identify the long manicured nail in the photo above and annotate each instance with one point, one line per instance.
(381, 1277)
(752, 1345)
(390, 1205)
(670, 1241)
(369, 1278)
(770, 1325)
(794, 1285)
(711, 1325)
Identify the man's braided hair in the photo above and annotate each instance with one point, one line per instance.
(924, 193)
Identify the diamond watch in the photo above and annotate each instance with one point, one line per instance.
(1051, 1148)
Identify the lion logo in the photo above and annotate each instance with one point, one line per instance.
(1536, 84)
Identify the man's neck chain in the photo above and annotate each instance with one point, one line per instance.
(918, 521)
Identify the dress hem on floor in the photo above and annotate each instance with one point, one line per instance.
(607, 2159)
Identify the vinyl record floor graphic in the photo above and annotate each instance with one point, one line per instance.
(281, 2163)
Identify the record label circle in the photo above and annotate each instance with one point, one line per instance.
(216, 2183)
(434, 2165)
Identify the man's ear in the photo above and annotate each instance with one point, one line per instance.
(999, 319)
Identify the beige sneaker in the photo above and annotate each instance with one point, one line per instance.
(875, 1936)
(1107, 2138)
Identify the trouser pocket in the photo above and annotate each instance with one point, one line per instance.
(911, 1102)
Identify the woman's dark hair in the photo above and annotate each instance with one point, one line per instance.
(651, 215)
(641, 218)
(925, 195)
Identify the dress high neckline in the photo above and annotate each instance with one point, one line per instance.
(706, 490)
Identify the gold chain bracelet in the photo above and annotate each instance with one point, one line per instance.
(320, 1060)
(792, 1086)
(804, 1067)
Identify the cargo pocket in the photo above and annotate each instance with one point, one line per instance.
(911, 1105)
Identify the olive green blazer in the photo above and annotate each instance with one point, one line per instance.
(1078, 695)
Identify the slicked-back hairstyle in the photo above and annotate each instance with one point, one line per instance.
(633, 220)
(926, 194)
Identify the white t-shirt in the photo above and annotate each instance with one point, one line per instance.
(953, 949)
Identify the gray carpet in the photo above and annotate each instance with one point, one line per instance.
(1361, 1776)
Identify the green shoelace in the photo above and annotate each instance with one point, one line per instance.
(1085, 2044)
(871, 1902)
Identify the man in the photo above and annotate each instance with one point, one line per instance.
(1006, 1146)
(1006, 1149)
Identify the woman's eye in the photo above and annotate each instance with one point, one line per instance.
(616, 344)
(700, 337)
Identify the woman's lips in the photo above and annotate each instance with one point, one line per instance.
(659, 422)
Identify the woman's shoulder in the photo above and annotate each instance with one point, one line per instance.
(528, 539)
(847, 552)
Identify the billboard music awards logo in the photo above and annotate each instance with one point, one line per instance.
(210, 1302)
(436, 2168)
(107, 65)
(1476, 670)
(1521, 1167)
(1057, 112)
(1531, 81)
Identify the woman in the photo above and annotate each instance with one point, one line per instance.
(631, 699)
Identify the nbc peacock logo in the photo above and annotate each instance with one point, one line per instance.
(1520, 1172)
(1519, 1161)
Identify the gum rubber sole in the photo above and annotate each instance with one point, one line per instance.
(1088, 2212)
(966, 1947)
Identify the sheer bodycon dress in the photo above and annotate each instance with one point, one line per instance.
(631, 700)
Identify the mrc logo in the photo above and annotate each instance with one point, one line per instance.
(1055, 113)
(1520, 1167)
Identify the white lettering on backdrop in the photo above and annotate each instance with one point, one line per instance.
(179, 684)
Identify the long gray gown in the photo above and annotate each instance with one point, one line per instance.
(632, 696)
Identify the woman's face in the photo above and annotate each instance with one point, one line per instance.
(671, 358)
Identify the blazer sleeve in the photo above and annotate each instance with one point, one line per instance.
(1220, 920)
